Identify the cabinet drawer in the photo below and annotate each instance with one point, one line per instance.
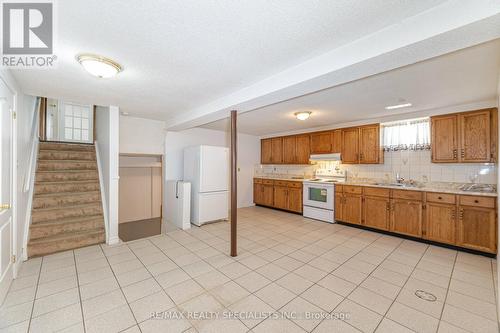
(376, 192)
(441, 197)
(280, 183)
(295, 184)
(353, 189)
(339, 188)
(486, 202)
(267, 181)
(408, 195)
(257, 180)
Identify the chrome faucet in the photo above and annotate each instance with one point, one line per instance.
(399, 179)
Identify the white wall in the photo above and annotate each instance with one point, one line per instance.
(248, 156)
(107, 135)
(141, 136)
(498, 207)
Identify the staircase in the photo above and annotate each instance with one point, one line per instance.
(67, 209)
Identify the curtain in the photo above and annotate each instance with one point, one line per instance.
(407, 135)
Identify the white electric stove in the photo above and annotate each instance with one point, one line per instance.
(319, 195)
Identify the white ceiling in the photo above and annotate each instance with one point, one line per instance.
(179, 55)
(463, 77)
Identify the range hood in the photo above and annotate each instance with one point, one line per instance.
(325, 157)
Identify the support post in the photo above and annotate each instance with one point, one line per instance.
(234, 183)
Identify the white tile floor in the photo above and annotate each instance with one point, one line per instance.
(321, 277)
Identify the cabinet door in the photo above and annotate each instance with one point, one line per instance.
(281, 197)
(444, 139)
(369, 144)
(440, 221)
(321, 142)
(339, 205)
(257, 194)
(352, 208)
(477, 228)
(268, 195)
(266, 151)
(277, 150)
(475, 140)
(376, 212)
(337, 141)
(289, 149)
(406, 217)
(295, 199)
(302, 152)
(350, 145)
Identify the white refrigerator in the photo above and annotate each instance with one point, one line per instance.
(207, 168)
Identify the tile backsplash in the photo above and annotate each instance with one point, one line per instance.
(414, 165)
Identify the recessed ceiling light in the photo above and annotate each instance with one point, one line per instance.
(303, 115)
(99, 66)
(398, 106)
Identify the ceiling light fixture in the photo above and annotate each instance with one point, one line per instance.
(398, 106)
(99, 66)
(303, 115)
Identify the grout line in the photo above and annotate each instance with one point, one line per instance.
(447, 290)
(79, 294)
(36, 291)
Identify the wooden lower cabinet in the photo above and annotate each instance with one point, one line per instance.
(339, 204)
(268, 195)
(281, 197)
(284, 195)
(440, 222)
(406, 217)
(477, 228)
(352, 208)
(376, 212)
(295, 200)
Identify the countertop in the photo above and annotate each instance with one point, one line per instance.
(452, 188)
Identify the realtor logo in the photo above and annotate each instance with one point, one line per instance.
(28, 34)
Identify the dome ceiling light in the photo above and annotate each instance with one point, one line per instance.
(302, 115)
(99, 66)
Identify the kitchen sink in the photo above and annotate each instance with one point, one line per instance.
(396, 184)
(484, 188)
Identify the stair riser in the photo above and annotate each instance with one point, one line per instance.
(58, 188)
(61, 166)
(42, 216)
(35, 250)
(37, 232)
(66, 155)
(66, 176)
(62, 146)
(67, 200)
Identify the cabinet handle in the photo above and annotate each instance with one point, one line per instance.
(461, 215)
(388, 206)
(476, 201)
(440, 198)
(455, 154)
(361, 156)
(462, 153)
(453, 214)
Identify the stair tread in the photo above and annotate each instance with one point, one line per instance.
(66, 207)
(65, 161)
(66, 236)
(66, 171)
(62, 194)
(68, 220)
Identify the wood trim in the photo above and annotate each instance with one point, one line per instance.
(42, 128)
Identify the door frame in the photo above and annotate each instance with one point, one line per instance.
(14, 266)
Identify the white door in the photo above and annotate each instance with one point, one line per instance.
(214, 169)
(76, 122)
(6, 225)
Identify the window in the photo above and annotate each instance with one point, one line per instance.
(77, 121)
(407, 135)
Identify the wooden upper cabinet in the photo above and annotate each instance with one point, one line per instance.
(303, 149)
(337, 141)
(444, 138)
(289, 149)
(350, 145)
(467, 137)
(321, 142)
(475, 136)
(266, 151)
(369, 144)
(277, 150)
